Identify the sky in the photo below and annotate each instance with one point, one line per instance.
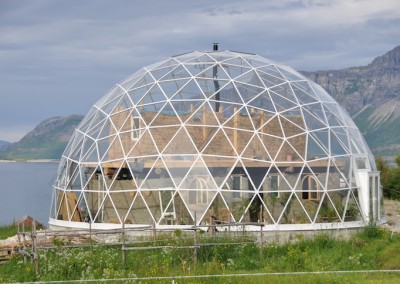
(60, 57)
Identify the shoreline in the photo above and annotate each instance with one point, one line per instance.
(31, 161)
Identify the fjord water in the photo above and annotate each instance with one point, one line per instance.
(25, 189)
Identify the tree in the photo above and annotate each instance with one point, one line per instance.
(390, 177)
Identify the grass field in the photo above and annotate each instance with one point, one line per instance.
(311, 261)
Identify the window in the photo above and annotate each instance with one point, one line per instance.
(136, 124)
(239, 183)
(274, 185)
(198, 193)
(310, 188)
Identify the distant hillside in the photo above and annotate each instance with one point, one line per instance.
(371, 94)
(46, 141)
(4, 143)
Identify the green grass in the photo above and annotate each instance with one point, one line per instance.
(371, 249)
(7, 231)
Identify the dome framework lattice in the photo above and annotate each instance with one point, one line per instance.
(216, 136)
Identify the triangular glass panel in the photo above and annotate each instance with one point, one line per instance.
(181, 143)
(167, 116)
(196, 69)
(238, 61)
(214, 72)
(293, 150)
(353, 211)
(143, 146)
(298, 213)
(148, 113)
(178, 166)
(292, 125)
(256, 173)
(111, 106)
(129, 82)
(248, 92)
(227, 93)
(284, 214)
(161, 136)
(270, 78)
(115, 150)
(203, 115)
(121, 120)
(303, 97)
(139, 212)
(332, 114)
(182, 90)
(85, 123)
(179, 72)
(315, 150)
(304, 86)
(317, 111)
(146, 79)
(107, 212)
(249, 78)
(312, 122)
(281, 102)
(219, 167)
(234, 71)
(161, 72)
(337, 147)
(183, 215)
(241, 118)
(284, 90)
(263, 103)
(255, 149)
(200, 135)
(236, 202)
(154, 95)
(219, 145)
(122, 202)
(327, 212)
(137, 94)
(167, 211)
(217, 214)
(289, 73)
(111, 98)
(272, 143)
(170, 62)
(205, 58)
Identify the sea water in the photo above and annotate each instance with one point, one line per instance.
(25, 189)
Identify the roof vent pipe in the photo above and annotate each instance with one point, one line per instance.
(215, 46)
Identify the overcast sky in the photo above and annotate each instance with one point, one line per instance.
(60, 57)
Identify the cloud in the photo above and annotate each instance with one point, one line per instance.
(59, 57)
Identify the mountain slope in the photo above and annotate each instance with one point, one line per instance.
(371, 94)
(46, 141)
(3, 143)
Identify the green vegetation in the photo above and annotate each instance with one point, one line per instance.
(371, 249)
(7, 231)
(390, 178)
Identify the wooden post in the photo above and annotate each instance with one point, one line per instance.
(123, 244)
(35, 258)
(195, 240)
(229, 225)
(154, 231)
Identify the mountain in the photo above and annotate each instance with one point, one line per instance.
(4, 143)
(46, 141)
(371, 95)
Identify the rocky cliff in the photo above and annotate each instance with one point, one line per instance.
(371, 94)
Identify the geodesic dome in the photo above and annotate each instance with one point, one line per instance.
(216, 137)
